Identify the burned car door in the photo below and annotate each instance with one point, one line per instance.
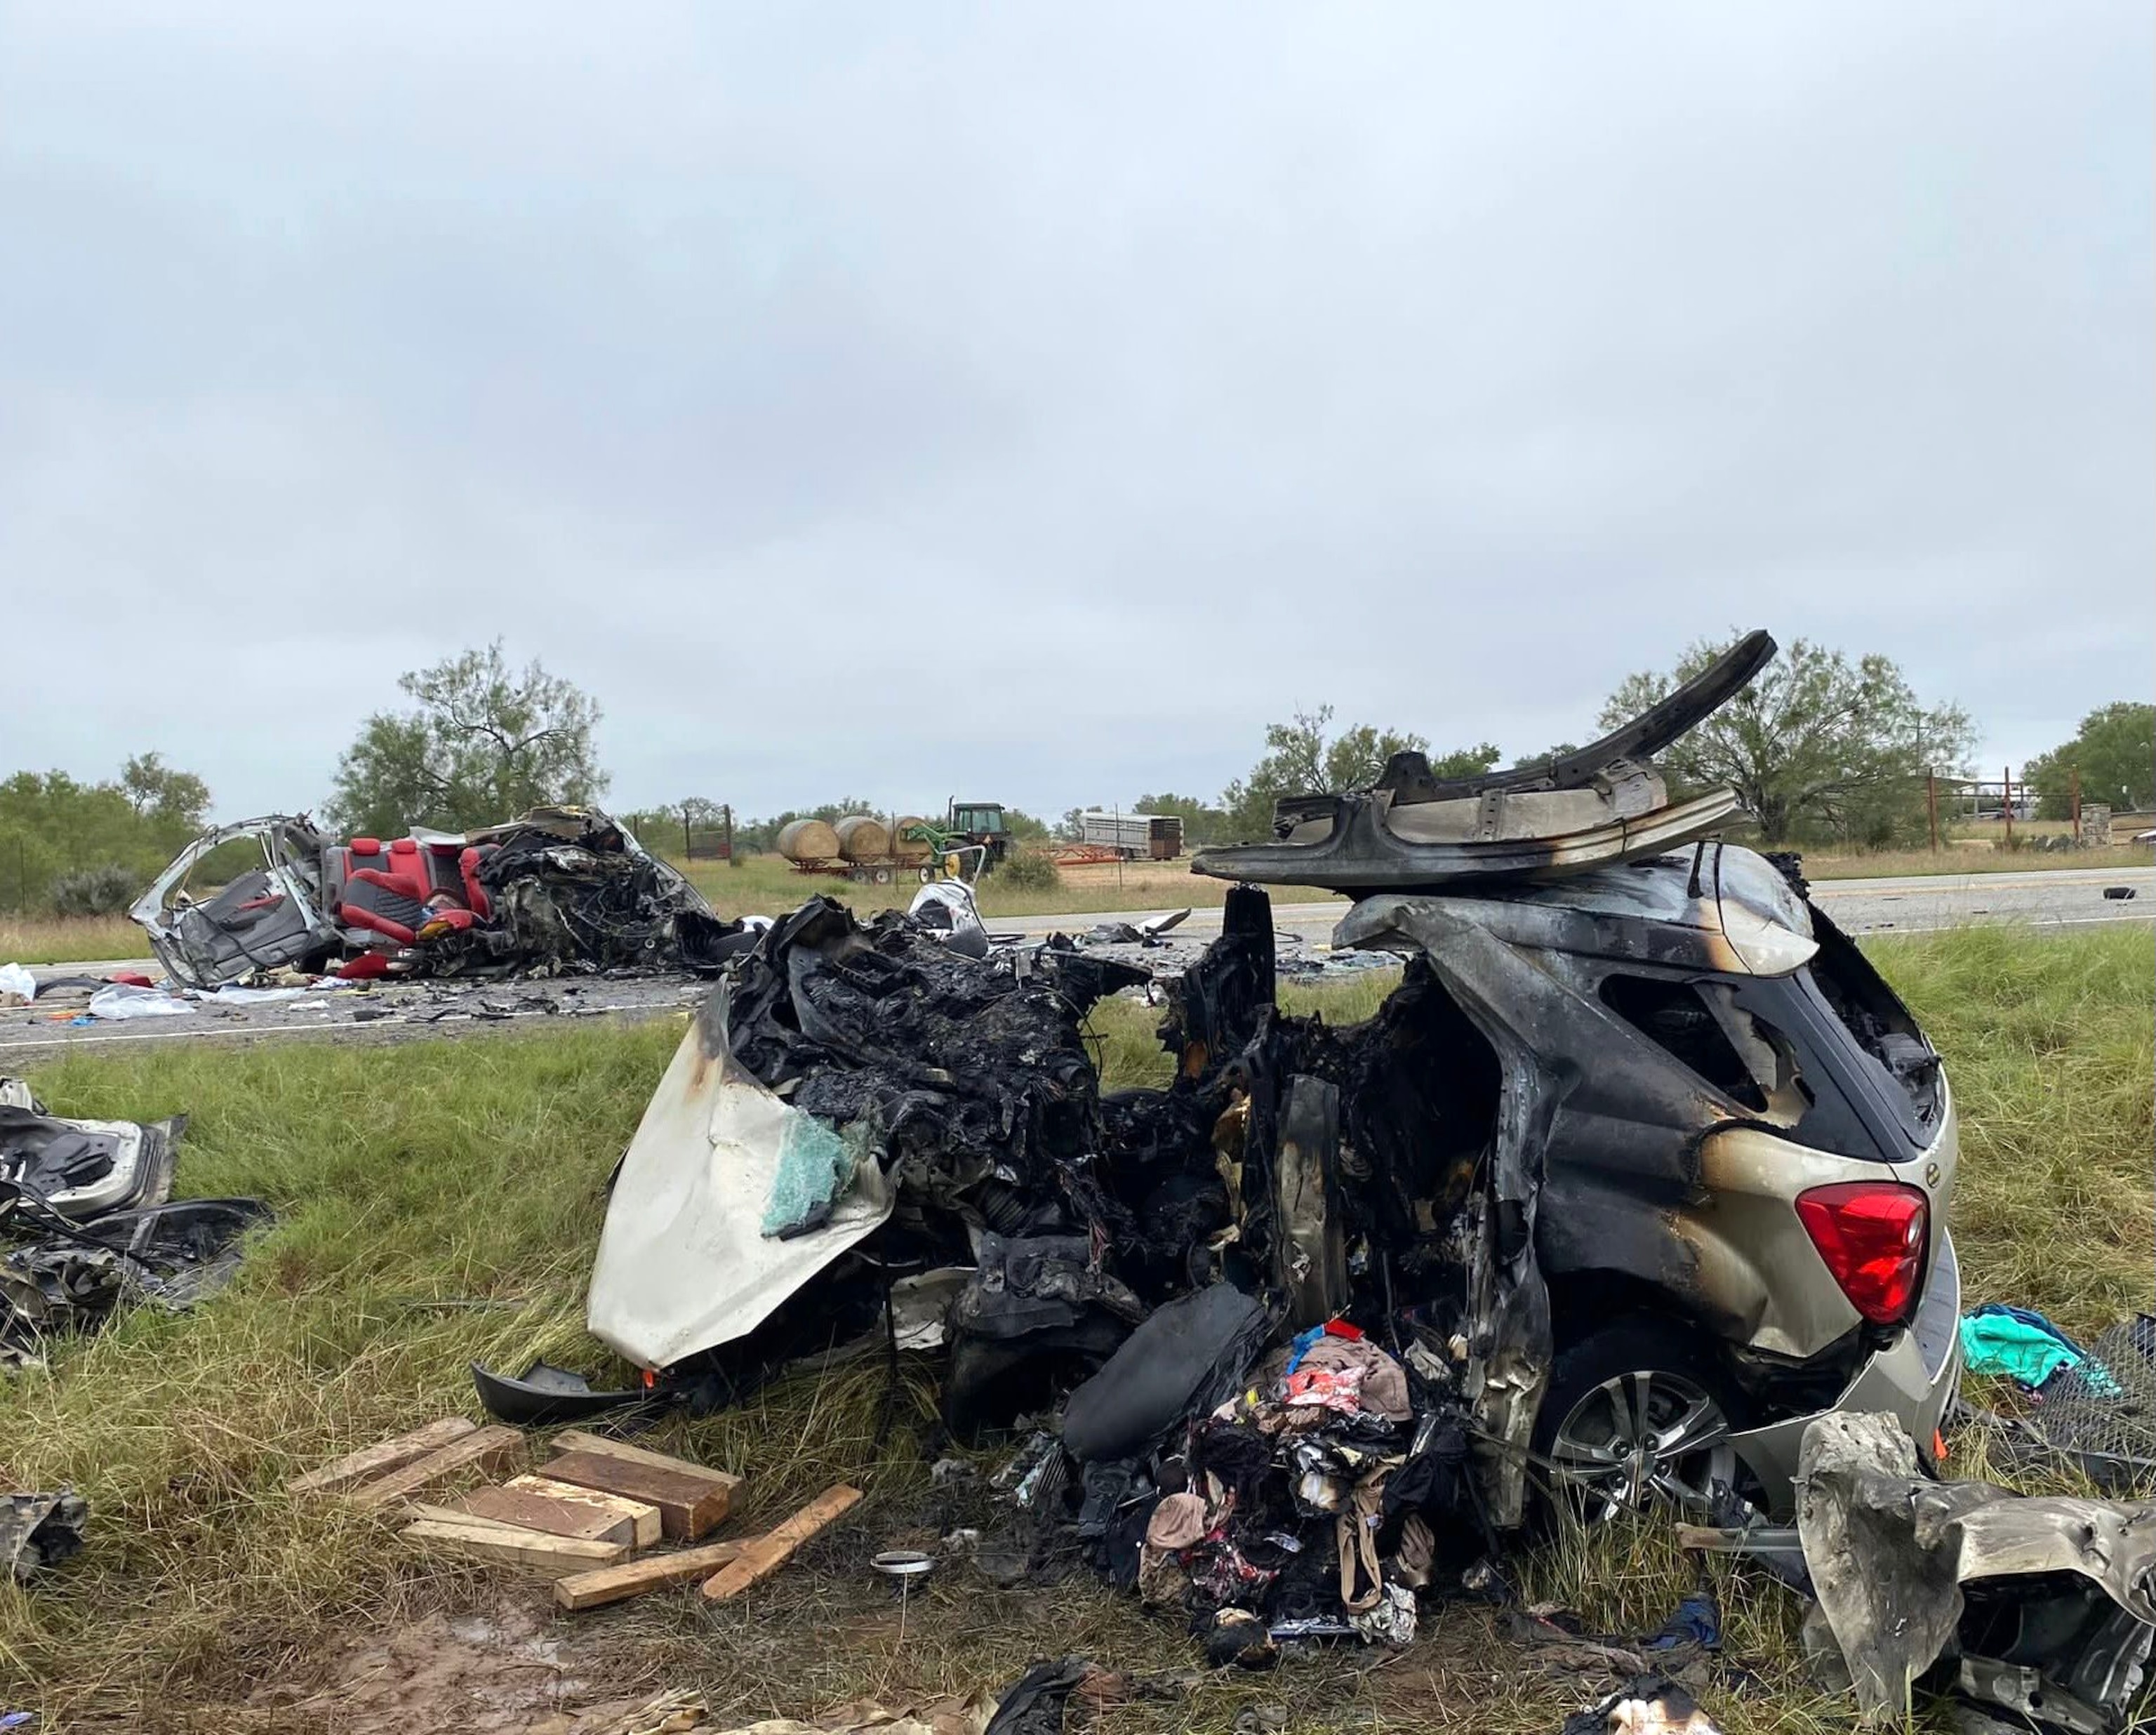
(241, 898)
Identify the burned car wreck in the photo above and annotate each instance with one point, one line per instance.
(561, 889)
(1636, 1180)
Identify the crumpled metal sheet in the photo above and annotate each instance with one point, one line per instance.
(39, 1530)
(71, 1279)
(1909, 1572)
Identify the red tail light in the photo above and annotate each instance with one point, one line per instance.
(1871, 1235)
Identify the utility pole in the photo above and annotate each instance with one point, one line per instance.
(2006, 800)
(1932, 806)
(2074, 800)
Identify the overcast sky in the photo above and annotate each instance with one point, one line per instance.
(1031, 402)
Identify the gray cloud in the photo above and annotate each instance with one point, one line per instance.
(904, 400)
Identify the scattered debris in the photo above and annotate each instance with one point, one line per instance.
(1650, 1705)
(89, 1225)
(39, 1530)
(2044, 1608)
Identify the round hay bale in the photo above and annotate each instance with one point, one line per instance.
(809, 840)
(911, 850)
(862, 838)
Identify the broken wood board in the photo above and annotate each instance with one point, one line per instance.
(486, 1448)
(691, 1506)
(762, 1556)
(580, 1513)
(575, 1440)
(654, 1572)
(556, 1554)
(381, 1458)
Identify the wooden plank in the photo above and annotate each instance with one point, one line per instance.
(575, 1440)
(762, 1556)
(487, 1448)
(643, 1517)
(618, 1583)
(556, 1554)
(689, 1506)
(578, 1519)
(379, 1459)
(453, 1515)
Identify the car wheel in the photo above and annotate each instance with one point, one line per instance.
(1636, 1415)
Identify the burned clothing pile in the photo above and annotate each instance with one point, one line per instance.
(87, 1224)
(1315, 1501)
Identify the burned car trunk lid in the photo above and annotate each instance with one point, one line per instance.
(1411, 831)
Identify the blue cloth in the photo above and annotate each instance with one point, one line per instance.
(1301, 1347)
(2016, 1342)
(1697, 1621)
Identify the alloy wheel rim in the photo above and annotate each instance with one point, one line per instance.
(1640, 1438)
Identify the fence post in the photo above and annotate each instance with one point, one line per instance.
(688, 837)
(727, 818)
(1932, 806)
(2074, 800)
(2006, 801)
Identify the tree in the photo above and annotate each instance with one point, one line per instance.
(485, 743)
(2114, 751)
(55, 828)
(1023, 826)
(1814, 741)
(1300, 761)
(155, 790)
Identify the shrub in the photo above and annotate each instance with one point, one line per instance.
(105, 891)
(1029, 871)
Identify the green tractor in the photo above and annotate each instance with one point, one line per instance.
(968, 825)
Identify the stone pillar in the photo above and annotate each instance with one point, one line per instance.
(2096, 825)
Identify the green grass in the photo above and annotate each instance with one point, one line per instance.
(439, 1204)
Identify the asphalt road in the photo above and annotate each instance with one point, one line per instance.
(2044, 899)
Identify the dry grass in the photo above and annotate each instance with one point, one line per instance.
(68, 939)
(1969, 858)
(767, 885)
(440, 1204)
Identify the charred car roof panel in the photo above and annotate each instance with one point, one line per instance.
(1412, 832)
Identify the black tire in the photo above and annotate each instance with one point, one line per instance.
(1674, 1357)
